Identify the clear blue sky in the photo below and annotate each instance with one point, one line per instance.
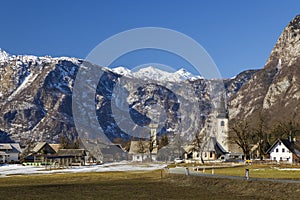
(237, 34)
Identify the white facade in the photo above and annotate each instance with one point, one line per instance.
(9, 152)
(281, 153)
(143, 157)
(222, 132)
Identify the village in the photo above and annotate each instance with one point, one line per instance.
(210, 146)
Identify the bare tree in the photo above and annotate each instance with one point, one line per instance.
(142, 148)
(242, 135)
(285, 129)
(262, 136)
(198, 145)
(178, 145)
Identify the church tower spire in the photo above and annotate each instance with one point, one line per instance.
(221, 108)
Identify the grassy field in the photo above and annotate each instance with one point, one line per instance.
(139, 185)
(263, 171)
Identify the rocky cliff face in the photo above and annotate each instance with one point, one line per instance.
(273, 91)
(36, 99)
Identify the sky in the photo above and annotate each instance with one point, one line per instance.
(238, 35)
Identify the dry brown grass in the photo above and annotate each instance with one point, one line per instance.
(139, 185)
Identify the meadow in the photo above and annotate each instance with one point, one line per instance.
(141, 185)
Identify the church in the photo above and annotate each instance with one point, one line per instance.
(214, 138)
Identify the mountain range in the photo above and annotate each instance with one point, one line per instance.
(36, 94)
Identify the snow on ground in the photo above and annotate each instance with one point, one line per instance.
(287, 169)
(7, 170)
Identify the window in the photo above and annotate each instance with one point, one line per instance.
(279, 143)
(211, 154)
(205, 155)
(137, 157)
(274, 158)
(276, 150)
(283, 150)
(280, 158)
(222, 123)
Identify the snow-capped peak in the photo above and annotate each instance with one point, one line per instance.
(183, 74)
(153, 74)
(122, 71)
(156, 74)
(3, 55)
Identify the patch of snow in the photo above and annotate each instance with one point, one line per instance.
(27, 81)
(287, 169)
(8, 170)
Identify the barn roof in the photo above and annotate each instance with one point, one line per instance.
(39, 146)
(55, 147)
(71, 152)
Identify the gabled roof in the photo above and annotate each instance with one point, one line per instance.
(294, 147)
(71, 152)
(15, 147)
(42, 145)
(39, 146)
(55, 147)
(214, 145)
(5, 146)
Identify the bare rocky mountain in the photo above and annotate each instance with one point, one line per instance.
(36, 99)
(274, 91)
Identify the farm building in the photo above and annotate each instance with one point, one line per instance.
(140, 151)
(68, 157)
(39, 153)
(285, 151)
(9, 152)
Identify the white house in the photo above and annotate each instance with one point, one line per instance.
(211, 150)
(285, 151)
(9, 152)
(145, 150)
(140, 151)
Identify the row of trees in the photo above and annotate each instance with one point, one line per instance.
(67, 143)
(248, 135)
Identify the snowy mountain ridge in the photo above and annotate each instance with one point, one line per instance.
(36, 96)
(3, 55)
(156, 74)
